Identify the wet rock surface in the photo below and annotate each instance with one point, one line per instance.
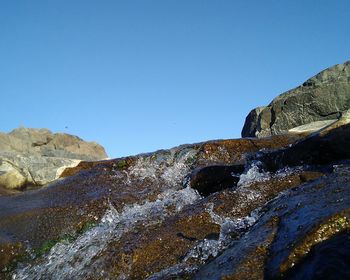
(329, 145)
(326, 260)
(49, 215)
(224, 209)
(287, 232)
(214, 178)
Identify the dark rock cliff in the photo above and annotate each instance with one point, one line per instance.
(321, 98)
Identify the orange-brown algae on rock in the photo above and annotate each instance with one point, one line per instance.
(146, 251)
(246, 258)
(41, 225)
(326, 230)
(11, 253)
(66, 226)
(237, 203)
(197, 226)
(83, 165)
(120, 164)
(307, 176)
(157, 255)
(234, 151)
(252, 268)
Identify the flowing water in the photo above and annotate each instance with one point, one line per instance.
(71, 260)
(74, 259)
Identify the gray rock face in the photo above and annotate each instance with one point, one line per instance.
(323, 97)
(252, 120)
(37, 156)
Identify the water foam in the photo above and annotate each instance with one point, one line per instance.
(254, 173)
(71, 260)
(230, 229)
(169, 167)
(74, 260)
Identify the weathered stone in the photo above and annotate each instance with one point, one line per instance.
(311, 127)
(284, 237)
(251, 121)
(323, 97)
(6, 191)
(47, 214)
(45, 143)
(324, 147)
(11, 176)
(35, 157)
(137, 217)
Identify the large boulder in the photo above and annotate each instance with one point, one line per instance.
(35, 157)
(330, 144)
(322, 98)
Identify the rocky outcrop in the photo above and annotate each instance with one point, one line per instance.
(322, 98)
(269, 208)
(35, 157)
(69, 207)
(327, 145)
(296, 237)
(141, 217)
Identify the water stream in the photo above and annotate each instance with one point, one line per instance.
(73, 260)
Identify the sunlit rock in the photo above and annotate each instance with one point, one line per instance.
(255, 208)
(35, 157)
(321, 98)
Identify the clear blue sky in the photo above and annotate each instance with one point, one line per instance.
(137, 76)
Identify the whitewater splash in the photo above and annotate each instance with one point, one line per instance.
(168, 168)
(231, 229)
(72, 260)
(253, 173)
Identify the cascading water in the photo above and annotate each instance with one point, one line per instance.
(73, 260)
(253, 174)
(230, 229)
